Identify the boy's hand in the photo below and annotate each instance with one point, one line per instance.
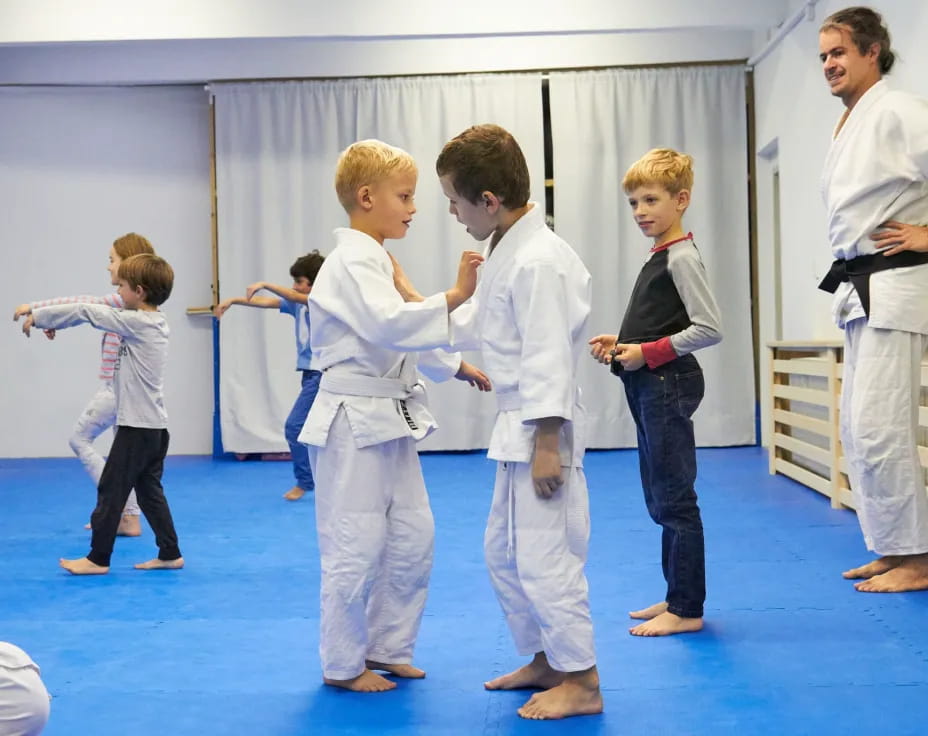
(28, 324)
(895, 237)
(630, 356)
(403, 284)
(474, 376)
(466, 284)
(253, 289)
(220, 309)
(546, 464)
(602, 347)
(50, 334)
(546, 471)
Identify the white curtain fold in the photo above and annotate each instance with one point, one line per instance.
(603, 121)
(276, 149)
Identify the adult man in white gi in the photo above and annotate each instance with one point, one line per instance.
(875, 186)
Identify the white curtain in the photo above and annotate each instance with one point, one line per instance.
(603, 121)
(276, 148)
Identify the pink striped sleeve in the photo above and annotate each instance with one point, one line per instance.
(111, 300)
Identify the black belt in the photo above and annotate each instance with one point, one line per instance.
(858, 270)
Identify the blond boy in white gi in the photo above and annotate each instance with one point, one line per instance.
(373, 518)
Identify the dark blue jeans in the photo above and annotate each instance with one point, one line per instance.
(662, 402)
(294, 425)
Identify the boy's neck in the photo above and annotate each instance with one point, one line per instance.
(675, 232)
(145, 307)
(506, 219)
(361, 224)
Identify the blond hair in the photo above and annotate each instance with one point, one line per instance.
(131, 244)
(661, 166)
(366, 163)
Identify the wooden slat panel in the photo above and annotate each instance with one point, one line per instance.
(846, 498)
(923, 416)
(801, 475)
(923, 456)
(809, 395)
(811, 424)
(803, 366)
(803, 448)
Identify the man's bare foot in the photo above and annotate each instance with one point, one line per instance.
(129, 526)
(876, 567)
(536, 674)
(157, 564)
(650, 612)
(83, 566)
(665, 624)
(400, 670)
(366, 682)
(577, 695)
(295, 494)
(910, 573)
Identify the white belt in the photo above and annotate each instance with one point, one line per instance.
(355, 385)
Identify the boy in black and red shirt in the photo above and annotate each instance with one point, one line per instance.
(671, 314)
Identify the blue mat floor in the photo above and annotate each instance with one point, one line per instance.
(228, 646)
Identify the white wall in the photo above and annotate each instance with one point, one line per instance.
(796, 115)
(169, 41)
(78, 168)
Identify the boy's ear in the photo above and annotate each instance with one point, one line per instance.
(491, 202)
(683, 199)
(364, 197)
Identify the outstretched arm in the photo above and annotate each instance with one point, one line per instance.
(282, 291)
(261, 302)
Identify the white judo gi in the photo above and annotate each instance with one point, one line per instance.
(877, 170)
(528, 318)
(373, 518)
(24, 703)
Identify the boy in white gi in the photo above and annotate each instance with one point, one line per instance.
(373, 518)
(875, 186)
(528, 318)
(136, 458)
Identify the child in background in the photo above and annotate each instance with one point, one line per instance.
(136, 459)
(292, 301)
(100, 412)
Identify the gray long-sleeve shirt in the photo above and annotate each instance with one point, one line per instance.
(140, 365)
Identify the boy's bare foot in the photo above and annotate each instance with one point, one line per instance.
(577, 695)
(665, 624)
(876, 567)
(129, 526)
(83, 566)
(157, 564)
(366, 682)
(294, 494)
(400, 670)
(87, 526)
(650, 612)
(536, 674)
(910, 573)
